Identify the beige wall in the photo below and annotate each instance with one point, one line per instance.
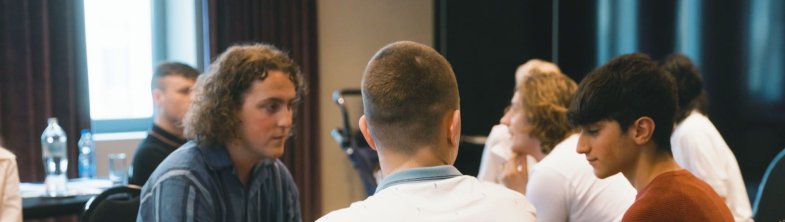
(106, 144)
(350, 32)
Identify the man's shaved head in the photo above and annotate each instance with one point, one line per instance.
(407, 89)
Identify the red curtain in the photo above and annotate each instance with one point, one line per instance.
(290, 26)
(42, 74)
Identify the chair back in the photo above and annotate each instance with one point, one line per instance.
(770, 203)
(117, 204)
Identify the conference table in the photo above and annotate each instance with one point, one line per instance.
(35, 206)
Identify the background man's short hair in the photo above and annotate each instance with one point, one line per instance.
(545, 98)
(624, 89)
(407, 89)
(221, 92)
(172, 68)
(689, 85)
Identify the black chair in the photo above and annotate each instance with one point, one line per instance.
(117, 204)
(770, 203)
(364, 159)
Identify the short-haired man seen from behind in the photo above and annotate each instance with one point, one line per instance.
(562, 185)
(171, 88)
(239, 120)
(412, 119)
(625, 111)
(697, 145)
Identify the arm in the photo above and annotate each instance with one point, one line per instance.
(548, 191)
(290, 194)
(515, 173)
(490, 165)
(11, 209)
(177, 198)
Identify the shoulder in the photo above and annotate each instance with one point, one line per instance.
(342, 215)
(285, 175)
(500, 194)
(185, 163)
(694, 124)
(149, 150)
(6, 155)
(675, 191)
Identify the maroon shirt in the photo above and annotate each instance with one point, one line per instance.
(678, 196)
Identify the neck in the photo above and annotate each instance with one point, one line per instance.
(650, 164)
(392, 162)
(168, 126)
(242, 160)
(538, 156)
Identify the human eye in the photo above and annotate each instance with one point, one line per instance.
(270, 107)
(591, 131)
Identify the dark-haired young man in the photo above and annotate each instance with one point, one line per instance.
(412, 119)
(625, 111)
(697, 145)
(171, 88)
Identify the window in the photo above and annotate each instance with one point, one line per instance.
(119, 59)
(125, 39)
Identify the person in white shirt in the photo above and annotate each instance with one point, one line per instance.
(10, 197)
(497, 147)
(562, 185)
(696, 144)
(412, 119)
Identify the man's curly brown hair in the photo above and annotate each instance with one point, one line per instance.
(545, 98)
(211, 119)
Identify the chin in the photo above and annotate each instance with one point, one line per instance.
(273, 152)
(603, 174)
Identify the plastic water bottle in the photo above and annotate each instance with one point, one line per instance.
(55, 157)
(86, 155)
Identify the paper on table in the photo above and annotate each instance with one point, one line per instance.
(75, 187)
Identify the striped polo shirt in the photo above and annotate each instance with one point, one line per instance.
(199, 183)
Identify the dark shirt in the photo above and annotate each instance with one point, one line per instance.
(678, 196)
(199, 183)
(151, 152)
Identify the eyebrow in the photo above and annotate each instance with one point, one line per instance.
(275, 99)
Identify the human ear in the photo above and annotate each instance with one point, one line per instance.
(455, 128)
(642, 130)
(366, 133)
(158, 96)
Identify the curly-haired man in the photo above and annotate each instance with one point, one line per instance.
(238, 120)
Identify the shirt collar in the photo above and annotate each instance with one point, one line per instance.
(418, 174)
(217, 157)
(167, 135)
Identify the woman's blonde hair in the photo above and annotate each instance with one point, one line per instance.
(545, 97)
(219, 94)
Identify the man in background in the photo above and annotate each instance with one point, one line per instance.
(697, 145)
(171, 88)
(412, 119)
